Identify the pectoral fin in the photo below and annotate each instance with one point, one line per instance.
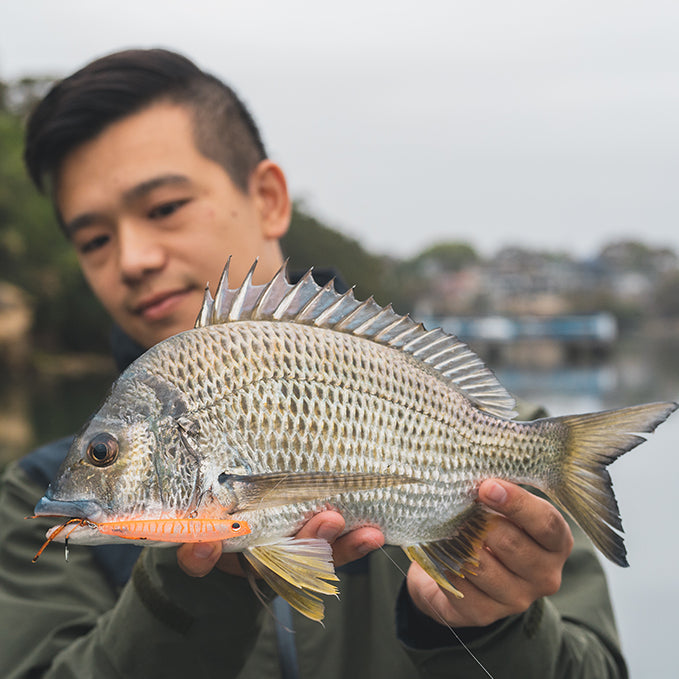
(293, 568)
(281, 488)
(457, 554)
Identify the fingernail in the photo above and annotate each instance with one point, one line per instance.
(497, 494)
(327, 531)
(203, 550)
(365, 548)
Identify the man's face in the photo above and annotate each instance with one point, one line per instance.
(152, 221)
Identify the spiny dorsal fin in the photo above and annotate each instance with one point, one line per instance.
(307, 303)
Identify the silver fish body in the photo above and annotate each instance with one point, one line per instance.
(286, 400)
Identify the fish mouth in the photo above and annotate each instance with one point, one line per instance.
(81, 509)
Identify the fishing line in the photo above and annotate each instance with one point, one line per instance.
(442, 620)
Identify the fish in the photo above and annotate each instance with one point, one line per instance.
(288, 399)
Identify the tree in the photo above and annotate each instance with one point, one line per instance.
(450, 256)
(310, 243)
(36, 256)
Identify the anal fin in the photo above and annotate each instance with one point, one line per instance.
(456, 554)
(294, 568)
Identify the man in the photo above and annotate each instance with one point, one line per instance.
(158, 173)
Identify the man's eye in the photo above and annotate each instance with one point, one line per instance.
(93, 244)
(166, 209)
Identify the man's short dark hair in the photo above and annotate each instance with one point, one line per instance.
(81, 106)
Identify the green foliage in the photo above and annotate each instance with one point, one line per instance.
(310, 243)
(35, 255)
(450, 256)
(636, 256)
(20, 96)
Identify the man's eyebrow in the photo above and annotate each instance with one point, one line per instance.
(143, 188)
(129, 196)
(80, 222)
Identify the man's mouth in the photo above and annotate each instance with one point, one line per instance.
(158, 306)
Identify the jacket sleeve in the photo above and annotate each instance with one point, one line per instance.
(570, 634)
(65, 619)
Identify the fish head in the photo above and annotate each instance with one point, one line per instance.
(110, 470)
(108, 473)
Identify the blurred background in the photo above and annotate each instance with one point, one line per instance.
(507, 171)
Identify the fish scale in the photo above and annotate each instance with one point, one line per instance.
(288, 399)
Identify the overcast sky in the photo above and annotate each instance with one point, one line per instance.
(551, 124)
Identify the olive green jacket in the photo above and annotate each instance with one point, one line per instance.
(63, 619)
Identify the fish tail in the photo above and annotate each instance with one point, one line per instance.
(583, 486)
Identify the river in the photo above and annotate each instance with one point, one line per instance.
(645, 595)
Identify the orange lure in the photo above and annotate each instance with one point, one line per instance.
(175, 530)
(161, 530)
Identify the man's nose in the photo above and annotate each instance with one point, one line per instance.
(140, 251)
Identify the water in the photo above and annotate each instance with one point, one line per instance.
(645, 595)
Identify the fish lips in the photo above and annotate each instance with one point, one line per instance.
(79, 509)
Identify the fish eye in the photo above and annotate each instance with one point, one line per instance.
(102, 450)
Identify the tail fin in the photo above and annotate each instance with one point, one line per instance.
(584, 487)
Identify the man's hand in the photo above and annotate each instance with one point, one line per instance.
(199, 558)
(522, 559)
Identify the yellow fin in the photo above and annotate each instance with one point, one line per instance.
(294, 568)
(456, 554)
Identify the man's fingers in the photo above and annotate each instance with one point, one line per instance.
(475, 609)
(535, 516)
(197, 559)
(330, 525)
(356, 544)
(326, 525)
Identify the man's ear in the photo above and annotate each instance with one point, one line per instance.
(270, 192)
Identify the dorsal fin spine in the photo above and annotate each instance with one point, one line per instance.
(418, 340)
(241, 294)
(383, 333)
(221, 292)
(285, 303)
(306, 313)
(432, 358)
(325, 315)
(346, 321)
(366, 325)
(205, 313)
(455, 358)
(397, 341)
(258, 310)
(430, 347)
